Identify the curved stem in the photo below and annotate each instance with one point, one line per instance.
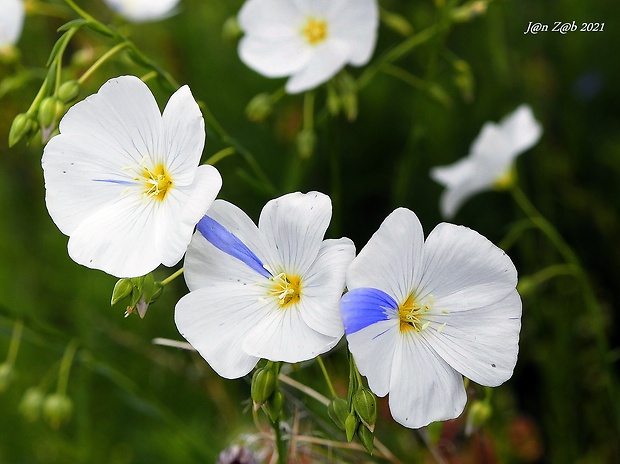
(106, 56)
(220, 155)
(65, 367)
(171, 277)
(15, 341)
(326, 375)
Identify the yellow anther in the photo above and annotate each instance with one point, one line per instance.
(286, 289)
(314, 31)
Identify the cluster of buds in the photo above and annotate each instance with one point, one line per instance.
(356, 417)
(141, 291)
(264, 390)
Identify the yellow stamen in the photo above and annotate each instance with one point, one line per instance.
(411, 315)
(286, 289)
(157, 182)
(314, 31)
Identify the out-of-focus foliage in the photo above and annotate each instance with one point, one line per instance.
(136, 402)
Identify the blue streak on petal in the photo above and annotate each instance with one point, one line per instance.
(113, 181)
(362, 307)
(226, 241)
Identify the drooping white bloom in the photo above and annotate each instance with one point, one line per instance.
(11, 21)
(123, 181)
(491, 157)
(139, 11)
(309, 40)
(420, 315)
(271, 291)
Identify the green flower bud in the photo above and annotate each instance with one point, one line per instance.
(338, 410)
(396, 22)
(57, 409)
(263, 385)
(7, 374)
(69, 91)
(365, 405)
(333, 101)
(122, 289)
(22, 124)
(231, 30)
(274, 405)
(49, 111)
(464, 79)
(366, 437)
(306, 143)
(469, 11)
(350, 426)
(31, 404)
(259, 107)
(479, 413)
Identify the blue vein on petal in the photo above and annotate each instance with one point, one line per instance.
(362, 307)
(226, 241)
(112, 181)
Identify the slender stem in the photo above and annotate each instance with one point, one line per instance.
(65, 367)
(304, 389)
(220, 155)
(15, 341)
(309, 111)
(280, 444)
(80, 11)
(106, 56)
(326, 375)
(170, 278)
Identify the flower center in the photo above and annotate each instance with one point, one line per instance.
(411, 315)
(314, 31)
(157, 182)
(286, 288)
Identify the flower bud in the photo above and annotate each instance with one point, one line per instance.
(49, 111)
(338, 410)
(464, 79)
(350, 426)
(259, 107)
(333, 101)
(306, 143)
(469, 11)
(367, 437)
(68, 91)
(231, 30)
(263, 385)
(57, 409)
(122, 289)
(22, 124)
(7, 374)
(365, 405)
(274, 405)
(397, 23)
(479, 413)
(31, 404)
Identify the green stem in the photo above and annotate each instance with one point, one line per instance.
(65, 367)
(15, 341)
(280, 444)
(106, 56)
(326, 375)
(80, 11)
(309, 111)
(220, 155)
(170, 278)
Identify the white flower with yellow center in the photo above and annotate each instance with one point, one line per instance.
(138, 11)
(271, 291)
(11, 21)
(123, 181)
(309, 40)
(490, 161)
(419, 315)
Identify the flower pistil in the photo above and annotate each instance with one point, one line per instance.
(411, 315)
(156, 181)
(314, 31)
(286, 288)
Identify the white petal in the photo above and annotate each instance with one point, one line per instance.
(183, 137)
(481, 343)
(12, 14)
(373, 350)
(294, 226)
(269, 19)
(323, 286)
(355, 22)
(521, 128)
(282, 335)
(392, 259)
(274, 57)
(215, 321)
(464, 270)
(143, 10)
(328, 58)
(423, 387)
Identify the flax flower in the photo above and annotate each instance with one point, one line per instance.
(11, 21)
(419, 315)
(122, 180)
(271, 291)
(138, 11)
(308, 40)
(490, 160)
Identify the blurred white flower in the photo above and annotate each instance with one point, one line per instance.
(139, 11)
(271, 291)
(420, 315)
(309, 40)
(123, 181)
(491, 157)
(11, 21)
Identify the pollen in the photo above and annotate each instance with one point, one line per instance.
(314, 31)
(411, 315)
(286, 289)
(157, 182)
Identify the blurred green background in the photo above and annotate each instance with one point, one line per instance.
(135, 402)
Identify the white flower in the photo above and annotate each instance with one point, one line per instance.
(271, 291)
(491, 157)
(139, 11)
(11, 21)
(309, 40)
(122, 180)
(420, 315)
